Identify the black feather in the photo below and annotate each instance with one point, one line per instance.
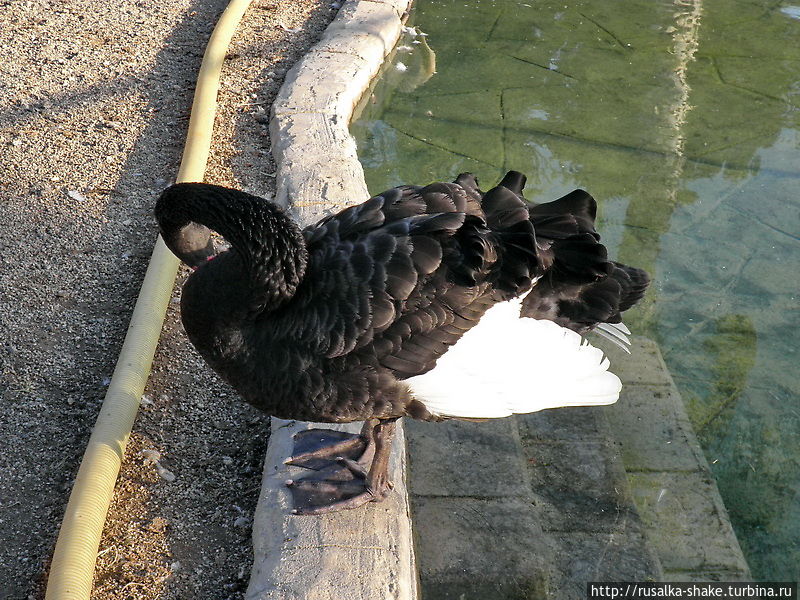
(324, 324)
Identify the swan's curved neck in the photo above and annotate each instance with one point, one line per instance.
(268, 242)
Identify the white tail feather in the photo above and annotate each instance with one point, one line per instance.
(614, 336)
(507, 365)
(622, 327)
(617, 333)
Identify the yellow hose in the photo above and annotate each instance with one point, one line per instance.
(75, 554)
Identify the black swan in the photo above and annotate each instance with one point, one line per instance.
(346, 319)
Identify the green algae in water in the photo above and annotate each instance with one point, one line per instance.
(683, 120)
(732, 347)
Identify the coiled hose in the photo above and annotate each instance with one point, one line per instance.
(72, 569)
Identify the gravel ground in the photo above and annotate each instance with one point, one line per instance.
(93, 112)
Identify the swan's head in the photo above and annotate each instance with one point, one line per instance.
(189, 241)
(268, 252)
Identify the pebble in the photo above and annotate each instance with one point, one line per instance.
(165, 474)
(150, 455)
(290, 29)
(75, 195)
(241, 522)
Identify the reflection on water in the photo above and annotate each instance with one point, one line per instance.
(684, 47)
(681, 118)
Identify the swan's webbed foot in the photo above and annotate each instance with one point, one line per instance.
(347, 483)
(336, 488)
(320, 448)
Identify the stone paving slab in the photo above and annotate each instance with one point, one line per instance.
(581, 486)
(512, 510)
(707, 575)
(467, 459)
(662, 434)
(581, 557)
(643, 365)
(477, 114)
(579, 422)
(479, 548)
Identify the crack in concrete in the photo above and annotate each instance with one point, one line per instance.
(545, 67)
(760, 221)
(445, 149)
(622, 44)
(504, 129)
(724, 81)
(696, 159)
(493, 27)
(747, 56)
(732, 145)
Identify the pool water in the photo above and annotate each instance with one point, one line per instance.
(681, 118)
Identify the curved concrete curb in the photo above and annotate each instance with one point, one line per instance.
(318, 168)
(365, 553)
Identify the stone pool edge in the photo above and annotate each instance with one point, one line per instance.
(368, 552)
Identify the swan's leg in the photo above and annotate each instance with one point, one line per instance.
(351, 485)
(317, 448)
